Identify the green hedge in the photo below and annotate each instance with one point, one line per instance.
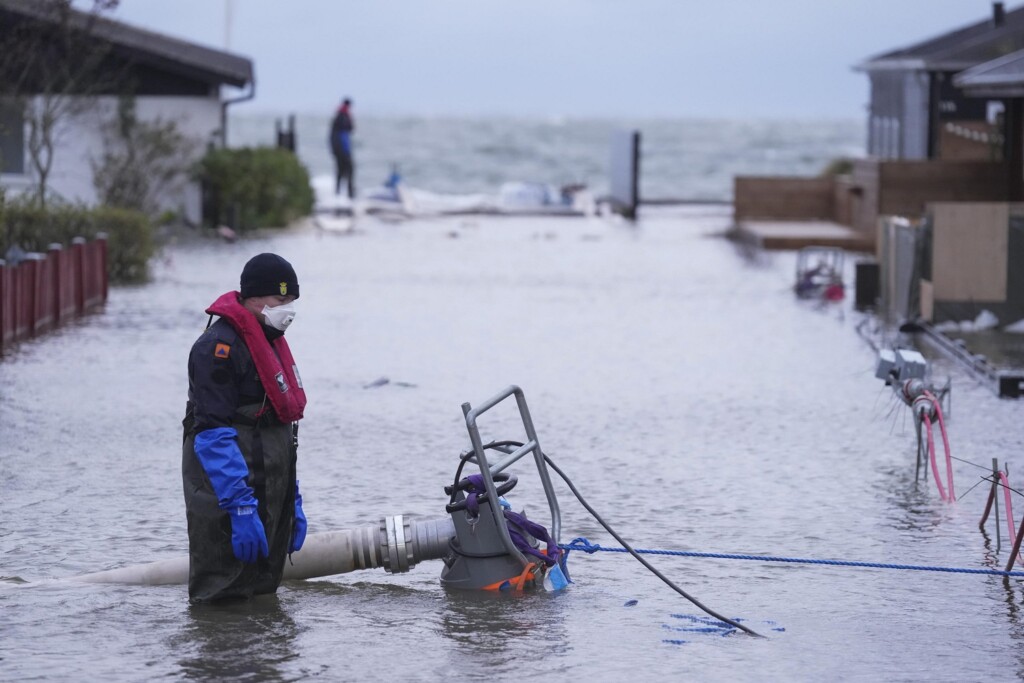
(130, 242)
(254, 187)
(838, 166)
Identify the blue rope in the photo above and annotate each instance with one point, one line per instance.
(591, 548)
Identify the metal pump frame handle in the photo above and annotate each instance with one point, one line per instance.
(487, 470)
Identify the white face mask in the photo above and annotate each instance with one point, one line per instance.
(279, 317)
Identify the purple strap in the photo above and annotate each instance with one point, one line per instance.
(517, 524)
(475, 488)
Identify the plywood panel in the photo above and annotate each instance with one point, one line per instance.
(969, 246)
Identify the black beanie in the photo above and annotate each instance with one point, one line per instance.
(268, 274)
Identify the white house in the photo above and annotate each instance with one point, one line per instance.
(170, 79)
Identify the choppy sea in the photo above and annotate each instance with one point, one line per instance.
(687, 159)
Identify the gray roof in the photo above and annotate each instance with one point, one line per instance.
(957, 50)
(153, 48)
(1002, 77)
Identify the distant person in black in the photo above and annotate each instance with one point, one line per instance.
(341, 147)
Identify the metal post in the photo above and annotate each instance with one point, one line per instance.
(991, 496)
(995, 473)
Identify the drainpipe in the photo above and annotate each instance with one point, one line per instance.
(224, 110)
(396, 545)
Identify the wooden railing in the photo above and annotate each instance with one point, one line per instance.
(44, 290)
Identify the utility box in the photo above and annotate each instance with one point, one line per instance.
(910, 364)
(866, 285)
(886, 363)
(902, 364)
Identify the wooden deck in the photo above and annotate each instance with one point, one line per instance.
(798, 234)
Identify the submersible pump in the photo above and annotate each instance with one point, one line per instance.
(484, 545)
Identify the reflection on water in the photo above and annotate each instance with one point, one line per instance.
(912, 499)
(1014, 617)
(245, 640)
(1004, 350)
(485, 627)
(692, 400)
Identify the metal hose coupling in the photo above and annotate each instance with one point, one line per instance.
(406, 541)
(397, 544)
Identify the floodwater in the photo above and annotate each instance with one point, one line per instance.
(693, 401)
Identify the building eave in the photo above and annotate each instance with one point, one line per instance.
(197, 61)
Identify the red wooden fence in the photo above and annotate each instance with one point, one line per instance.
(45, 290)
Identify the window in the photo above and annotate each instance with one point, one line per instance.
(12, 138)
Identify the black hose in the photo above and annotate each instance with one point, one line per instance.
(641, 560)
(465, 457)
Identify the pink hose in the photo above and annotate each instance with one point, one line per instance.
(1009, 511)
(945, 442)
(931, 455)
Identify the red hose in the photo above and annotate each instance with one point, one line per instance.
(931, 455)
(945, 443)
(1011, 527)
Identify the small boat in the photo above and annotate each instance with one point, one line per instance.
(819, 273)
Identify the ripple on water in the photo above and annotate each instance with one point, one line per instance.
(694, 403)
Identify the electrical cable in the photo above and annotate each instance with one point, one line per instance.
(931, 456)
(466, 456)
(1011, 527)
(945, 442)
(641, 560)
(981, 480)
(972, 464)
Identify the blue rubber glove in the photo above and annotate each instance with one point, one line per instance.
(218, 452)
(248, 538)
(299, 528)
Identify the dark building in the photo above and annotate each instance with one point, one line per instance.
(917, 111)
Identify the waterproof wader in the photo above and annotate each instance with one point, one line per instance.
(269, 448)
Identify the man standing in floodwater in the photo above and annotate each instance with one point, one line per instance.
(245, 399)
(341, 147)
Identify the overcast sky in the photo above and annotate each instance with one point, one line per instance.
(633, 58)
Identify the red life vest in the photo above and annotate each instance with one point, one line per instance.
(277, 371)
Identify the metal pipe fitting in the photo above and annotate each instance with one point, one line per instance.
(912, 390)
(922, 406)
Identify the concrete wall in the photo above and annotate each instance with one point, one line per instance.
(783, 198)
(80, 140)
